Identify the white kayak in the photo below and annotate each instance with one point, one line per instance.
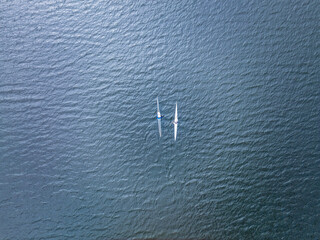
(159, 117)
(175, 122)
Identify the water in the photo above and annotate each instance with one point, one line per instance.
(80, 154)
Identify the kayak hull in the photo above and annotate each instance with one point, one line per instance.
(159, 126)
(159, 117)
(175, 123)
(175, 131)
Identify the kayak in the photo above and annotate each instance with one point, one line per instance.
(175, 122)
(159, 117)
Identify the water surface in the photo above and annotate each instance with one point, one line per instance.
(80, 153)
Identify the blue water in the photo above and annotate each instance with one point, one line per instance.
(80, 153)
